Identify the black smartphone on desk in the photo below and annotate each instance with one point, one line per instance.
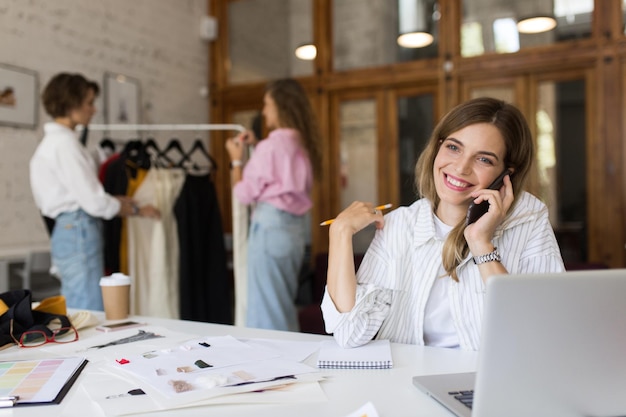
(475, 211)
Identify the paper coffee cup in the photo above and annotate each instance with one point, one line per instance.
(116, 296)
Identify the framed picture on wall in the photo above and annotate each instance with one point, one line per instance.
(18, 97)
(121, 99)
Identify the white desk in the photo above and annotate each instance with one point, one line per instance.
(12, 255)
(390, 390)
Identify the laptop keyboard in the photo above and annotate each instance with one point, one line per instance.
(466, 397)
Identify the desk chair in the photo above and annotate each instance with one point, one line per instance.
(310, 316)
(36, 276)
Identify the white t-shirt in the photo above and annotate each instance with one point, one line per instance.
(439, 328)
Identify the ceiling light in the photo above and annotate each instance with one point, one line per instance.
(306, 52)
(415, 39)
(536, 24)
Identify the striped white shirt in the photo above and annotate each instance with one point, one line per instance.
(404, 259)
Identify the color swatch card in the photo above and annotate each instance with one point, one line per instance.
(39, 381)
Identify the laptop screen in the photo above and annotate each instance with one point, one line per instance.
(552, 345)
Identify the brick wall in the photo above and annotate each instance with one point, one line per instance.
(156, 42)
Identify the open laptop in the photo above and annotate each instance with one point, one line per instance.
(552, 345)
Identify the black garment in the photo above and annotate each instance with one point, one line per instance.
(50, 222)
(84, 136)
(116, 183)
(205, 284)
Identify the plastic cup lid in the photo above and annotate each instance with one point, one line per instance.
(115, 279)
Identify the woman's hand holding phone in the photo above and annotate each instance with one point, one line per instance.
(496, 201)
(476, 211)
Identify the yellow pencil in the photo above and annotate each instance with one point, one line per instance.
(383, 207)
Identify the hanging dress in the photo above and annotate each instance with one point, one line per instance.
(153, 246)
(205, 284)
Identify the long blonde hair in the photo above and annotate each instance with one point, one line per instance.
(520, 155)
(295, 111)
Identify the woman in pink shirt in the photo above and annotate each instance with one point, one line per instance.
(278, 179)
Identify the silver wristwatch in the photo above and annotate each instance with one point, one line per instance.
(489, 257)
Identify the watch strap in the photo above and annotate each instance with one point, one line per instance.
(488, 257)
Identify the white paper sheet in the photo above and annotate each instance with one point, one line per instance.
(99, 385)
(175, 378)
(290, 349)
(368, 410)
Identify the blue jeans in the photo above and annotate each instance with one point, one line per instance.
(77, 251)
(275, 250)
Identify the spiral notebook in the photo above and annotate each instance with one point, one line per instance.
(374, 355)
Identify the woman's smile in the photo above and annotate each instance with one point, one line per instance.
(456, 183)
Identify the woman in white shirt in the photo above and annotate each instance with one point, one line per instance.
(422, 280)
(66, 188)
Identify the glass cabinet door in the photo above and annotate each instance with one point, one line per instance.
(561, 158)
(358, 159)
(263, 36)
(415, 119)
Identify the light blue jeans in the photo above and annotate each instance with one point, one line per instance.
(276, 245)
(77, 251)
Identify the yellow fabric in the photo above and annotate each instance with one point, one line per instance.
(133, 184)
(3, 307)
(53, 305)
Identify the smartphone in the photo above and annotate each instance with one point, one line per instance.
(118, 326)
(475, 211)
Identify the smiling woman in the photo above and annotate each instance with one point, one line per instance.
(497, 137)
(423, 277)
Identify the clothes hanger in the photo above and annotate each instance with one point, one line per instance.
(151, 144)
(198, 145)
(156, 154)
(174, 145)
(107, 143)
(132, 148)
(136, 154)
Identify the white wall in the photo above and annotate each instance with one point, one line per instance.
(154, 41)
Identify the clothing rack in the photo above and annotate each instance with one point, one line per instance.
(210, 126)
(240, 213)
